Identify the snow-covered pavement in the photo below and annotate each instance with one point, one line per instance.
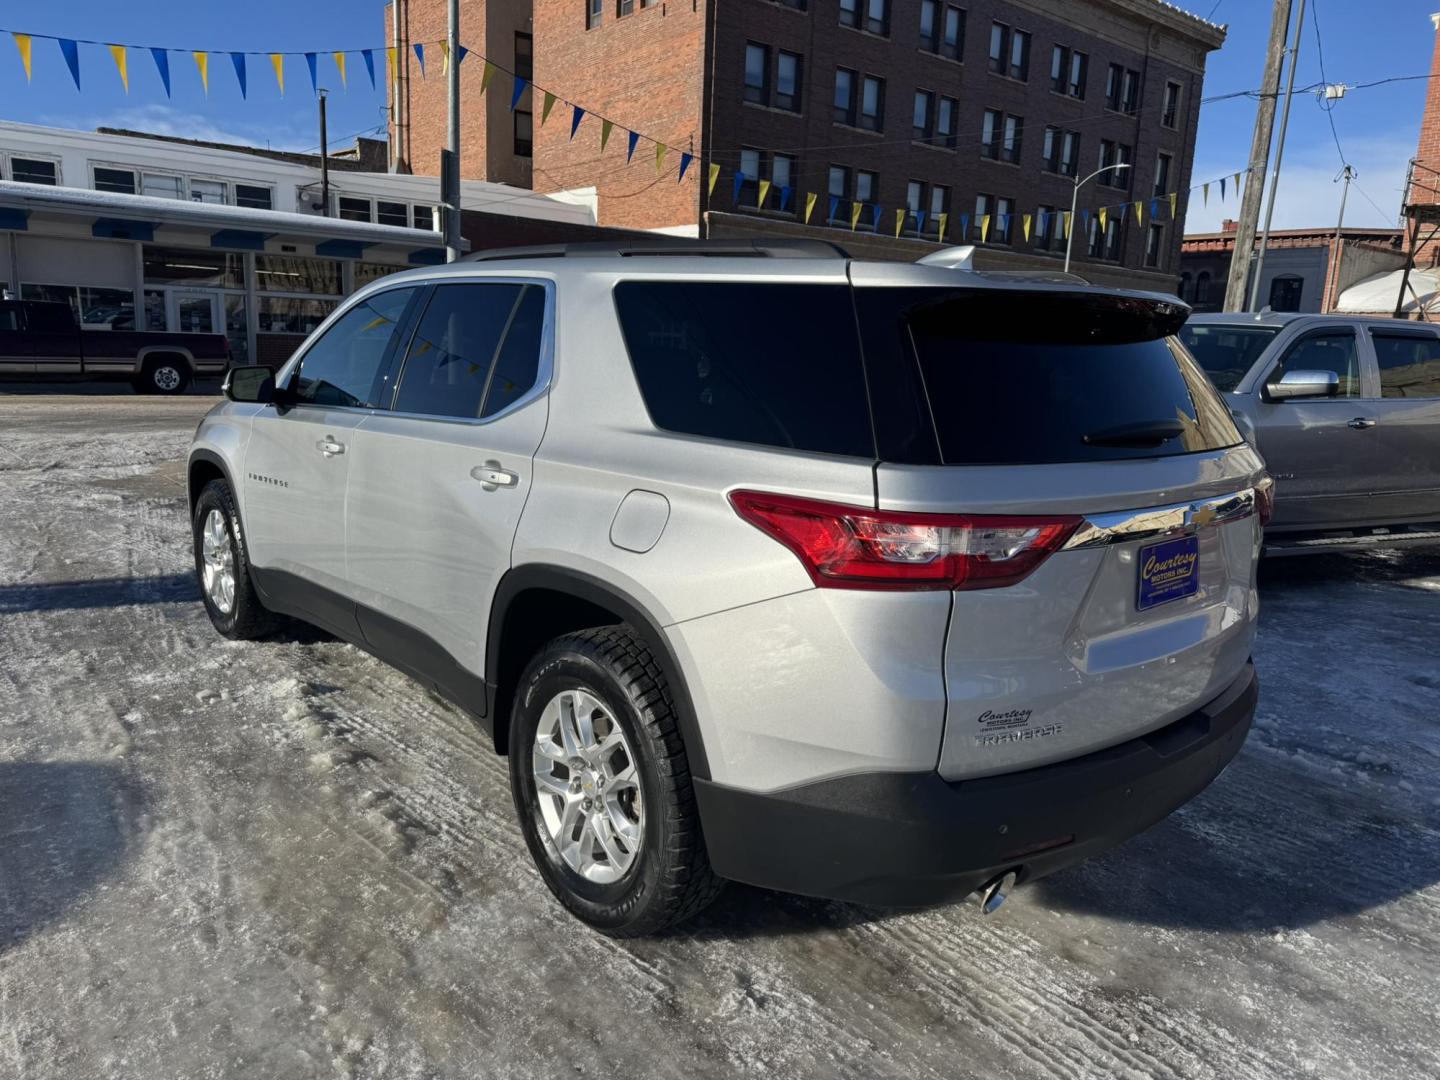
(284, 860)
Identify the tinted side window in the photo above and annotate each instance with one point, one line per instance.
(773, 364)
(454, 351)
(1226, 352)
(346, 364)
(49, 318)
(1409, 365)
(518, 364)
(9, 317)
(1328, 350)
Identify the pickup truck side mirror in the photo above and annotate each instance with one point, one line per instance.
(1304, 384)
(252, 385)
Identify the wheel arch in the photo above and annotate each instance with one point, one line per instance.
(151, 352)
(537, 602)
(203, 467)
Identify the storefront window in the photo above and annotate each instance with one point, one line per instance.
(95, 308)
(297, 274)
(292, 314)
(184, 266)
(365, 272)
(235, 328)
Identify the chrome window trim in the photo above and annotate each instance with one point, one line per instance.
(1123, 526)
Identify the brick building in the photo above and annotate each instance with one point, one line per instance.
(978, 110)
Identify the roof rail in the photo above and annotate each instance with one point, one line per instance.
(669, 246)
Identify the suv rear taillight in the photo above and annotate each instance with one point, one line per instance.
(1265, 499)
(852, 547)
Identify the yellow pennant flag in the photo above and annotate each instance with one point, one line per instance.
(984, 227)
(22, 42)
(809, 206)
(1139, 212)
(855, 215)
(941, 220)
(1206, 195)
(390, 59)
(122, 65)
(444, 57)
(1237, 181)
(277, 61)
(485, 76)
(605, 128)
(340, 65)
(899, 222)
(545, 108)
(1172, 205)
(1025, 227)
(764, 192)
(660, 149)
(714, 175)
(1101, 215)
(202, 63)
(1065, 217)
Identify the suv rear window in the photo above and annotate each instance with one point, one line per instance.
(1027, 378)
(1226, 352)
(773, 364)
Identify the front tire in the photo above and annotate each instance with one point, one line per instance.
(602, 785)
(222, 564)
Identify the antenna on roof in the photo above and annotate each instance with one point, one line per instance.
(956, 257)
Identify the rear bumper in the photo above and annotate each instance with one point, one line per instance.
(911, 839)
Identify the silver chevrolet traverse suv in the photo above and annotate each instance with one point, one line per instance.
(881, 582)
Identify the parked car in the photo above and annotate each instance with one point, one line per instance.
(845, 578)
(1345, 412)
(42, 339)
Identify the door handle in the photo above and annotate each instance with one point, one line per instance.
(492, 476)
(329, 447)
(1360, 423)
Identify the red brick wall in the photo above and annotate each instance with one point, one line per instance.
(646, 69)
(1425, 182)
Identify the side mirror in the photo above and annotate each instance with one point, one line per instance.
(251, 385)
(1304, 384)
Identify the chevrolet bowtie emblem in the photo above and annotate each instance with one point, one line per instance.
(1203, 515)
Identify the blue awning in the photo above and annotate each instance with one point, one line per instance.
(242, 239)
(123, 229)
(13, 218)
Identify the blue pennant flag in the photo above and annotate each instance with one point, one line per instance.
(919, 221)
(575, 119)
(71, 52)
(368, 55)
(1123, 208)
(419, 55)
(1042, 220)
(1154, 209)
(1003, 220)
(685, 160)
(630, 148)
(834, 206)
(1085, 219)
(238, 59)
(162, 65)
(1222, 189)
(785, 197)
(739, 183)
(461, 55)
(964, 226)
(520, 85)
(875, 217)
(315, 77)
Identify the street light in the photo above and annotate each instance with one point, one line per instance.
(1075, 197)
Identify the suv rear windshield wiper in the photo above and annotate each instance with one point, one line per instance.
(1145, 433)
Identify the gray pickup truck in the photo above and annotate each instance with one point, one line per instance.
(40, 339)
(1346, 413)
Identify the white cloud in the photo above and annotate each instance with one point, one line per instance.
(1309, 194)
(157, 119)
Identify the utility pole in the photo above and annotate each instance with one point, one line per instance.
(450, 182)
(1349, 174)
(324, 158)
(397, 88)
(1259, 158)
(1279, 155)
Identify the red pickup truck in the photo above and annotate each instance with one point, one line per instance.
(39, 339)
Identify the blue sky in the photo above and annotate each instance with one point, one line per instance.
(1362, 41)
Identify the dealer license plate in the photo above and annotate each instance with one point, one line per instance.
(1168, 571)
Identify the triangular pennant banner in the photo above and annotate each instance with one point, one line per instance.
(1139, 212)
(202, 65)
(444, 57)
(834, 206)
(1002, 222)
(685, 160)
(122, 65)
(1025, 227)
(1237, 183)
(575, 118)
(1154, 209)
(1222, 189)
(277, 61)
(919, 221)
(1085, 219)
(763, 193)
(520, 85)
(461, 55)
(606, 126)
(368, 55)
(941, 220)
(71, 51)
(736, 187)
(313, 63)
(810, 198)
(875, 217)
(785, 193)
(660, 150)
(1206, 195)
(162, 65)
(1065, 219)
(1174, 195)
(855, 209)
(419, 57)
(238, 59)
(984, 227)
(899, 222)
(1123, 207)
(546, 107)
(390, 62)
(964, 226)
(1101, 214)
(710, 184)
(340, 67)
(24, 44)
(485, 75)
(631, 142)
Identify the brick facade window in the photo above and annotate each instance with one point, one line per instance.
(1114, 153)
(1009, 52)
(1162, 175)
(524, 133)
(1122, 89)
(1104, 244)
(624, 7)
(1154, 245)
(1170, 114)
(777, 87)
(872, 16)
(942, 29)
(1049, 231)
(525, 55)
(757, 73)
(1061, 151)
(1000, 136)
(872, 103)
(594, 12)
(788, 68)
(845, 112)
(1068, 68)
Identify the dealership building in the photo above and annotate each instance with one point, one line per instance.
(166, 234)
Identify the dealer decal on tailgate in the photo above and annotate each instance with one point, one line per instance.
(1168, 571)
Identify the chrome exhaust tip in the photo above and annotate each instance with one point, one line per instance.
(995, 893)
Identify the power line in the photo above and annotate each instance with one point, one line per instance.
(1325, 104)
(1371, 201)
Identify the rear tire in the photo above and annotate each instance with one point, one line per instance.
(649, 869)
(162, 375)
(222, 565)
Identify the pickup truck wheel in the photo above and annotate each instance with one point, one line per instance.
(602, 785)
(163, 375)
(222, 564)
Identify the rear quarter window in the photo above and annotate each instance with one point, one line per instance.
(764, 363)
